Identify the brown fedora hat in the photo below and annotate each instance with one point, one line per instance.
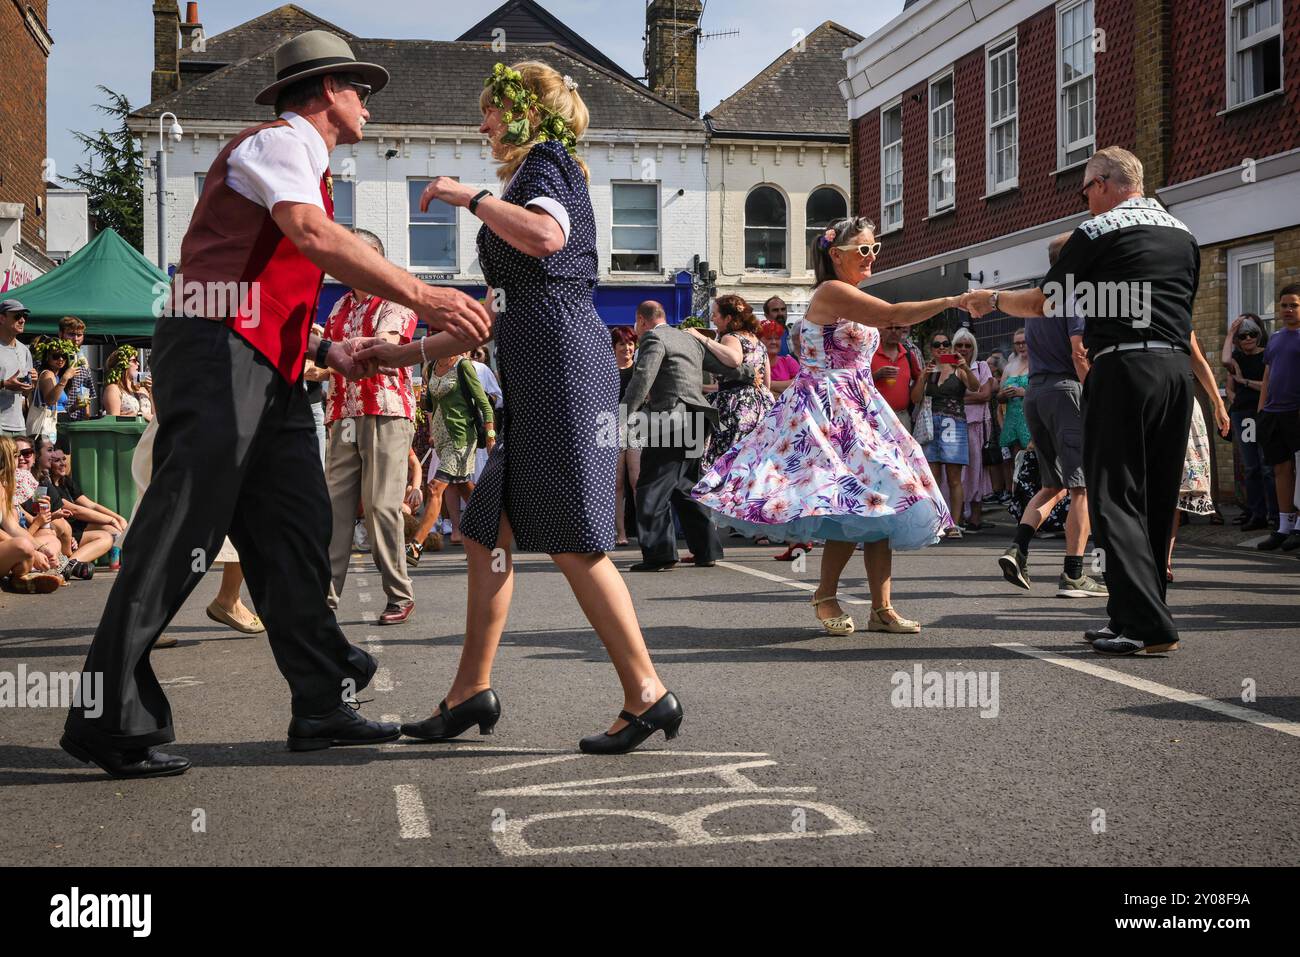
(315, 53)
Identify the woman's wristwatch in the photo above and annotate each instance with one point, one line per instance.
(473, 203)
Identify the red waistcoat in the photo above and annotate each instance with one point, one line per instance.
(233, 240)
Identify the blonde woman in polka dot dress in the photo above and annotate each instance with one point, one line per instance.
(549, 485)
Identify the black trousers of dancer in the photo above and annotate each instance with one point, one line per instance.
(236, 453)
(667, 476)
(1136, 416)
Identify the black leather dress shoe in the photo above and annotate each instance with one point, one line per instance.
(652, 566)
(129, 763)
(484, 710)
(341, 726)
(664, 715)
(1120, 647)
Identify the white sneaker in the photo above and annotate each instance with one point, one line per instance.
(360, 541)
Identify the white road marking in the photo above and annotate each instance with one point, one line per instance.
(362, 583)
(383, 680)
(733, 782)
(411, 815)
(802, 586)
(1226, 708)
(375, 644)
(688, 827)
(363, 597)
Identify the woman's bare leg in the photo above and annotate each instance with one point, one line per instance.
(491, 584)
(877, 558)
(457, 496)
(605, 600)
(956, 495)
(835, 556)
(96, 540)
(432, 508)
(232, 579)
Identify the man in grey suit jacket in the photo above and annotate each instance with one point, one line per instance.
(672, 429)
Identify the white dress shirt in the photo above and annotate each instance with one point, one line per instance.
(282, 164)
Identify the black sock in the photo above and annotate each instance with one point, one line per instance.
(1024, 535)
(1074, 566)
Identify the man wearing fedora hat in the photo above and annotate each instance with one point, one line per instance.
(236, 450)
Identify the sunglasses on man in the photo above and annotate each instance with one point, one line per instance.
(1090, 184)
(363, 90)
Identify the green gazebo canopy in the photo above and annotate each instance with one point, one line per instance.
(106, 284)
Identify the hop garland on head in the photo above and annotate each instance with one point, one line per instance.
(121, 366)
(46, 347)
(508, 84)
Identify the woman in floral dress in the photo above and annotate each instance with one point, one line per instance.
(741, 405)
(1194, 493)
(830, 460)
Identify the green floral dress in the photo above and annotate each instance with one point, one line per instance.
(1015, 430)
(455, 463)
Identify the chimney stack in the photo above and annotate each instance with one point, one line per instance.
(672, 45)
(166, 49)
(192, 37)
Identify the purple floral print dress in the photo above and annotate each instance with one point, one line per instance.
(830, 460)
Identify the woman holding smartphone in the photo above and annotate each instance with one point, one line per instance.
(945, 380)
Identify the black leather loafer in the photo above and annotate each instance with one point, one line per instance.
(652, 566)
(129, 763)
(484, 710)
(664, 715)
(341, 726)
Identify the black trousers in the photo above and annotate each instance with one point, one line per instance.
(236, 453)
(1136, 416)
(667, 477)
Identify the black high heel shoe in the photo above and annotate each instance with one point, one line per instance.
(664, 715)
(484, 710)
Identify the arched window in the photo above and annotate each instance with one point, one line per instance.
(825, 205)
(765, 229)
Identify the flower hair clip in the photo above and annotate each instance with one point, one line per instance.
(569, 83)
(824, 241)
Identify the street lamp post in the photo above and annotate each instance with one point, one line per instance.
(160, 167)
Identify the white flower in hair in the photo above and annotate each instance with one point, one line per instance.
(569, 83)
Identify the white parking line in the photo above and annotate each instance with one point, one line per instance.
(383, 680)
(1226, 708)
(411, 815)
(802, 586)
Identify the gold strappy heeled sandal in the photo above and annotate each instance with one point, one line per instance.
(895, 624)
(839, 626)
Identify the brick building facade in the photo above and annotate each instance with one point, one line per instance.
(1205, 93)
(24, 48)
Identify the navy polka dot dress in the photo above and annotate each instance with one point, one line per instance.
(552, 471)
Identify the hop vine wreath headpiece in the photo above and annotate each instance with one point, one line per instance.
(121, 364)
(508, 84)
(47, 346)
